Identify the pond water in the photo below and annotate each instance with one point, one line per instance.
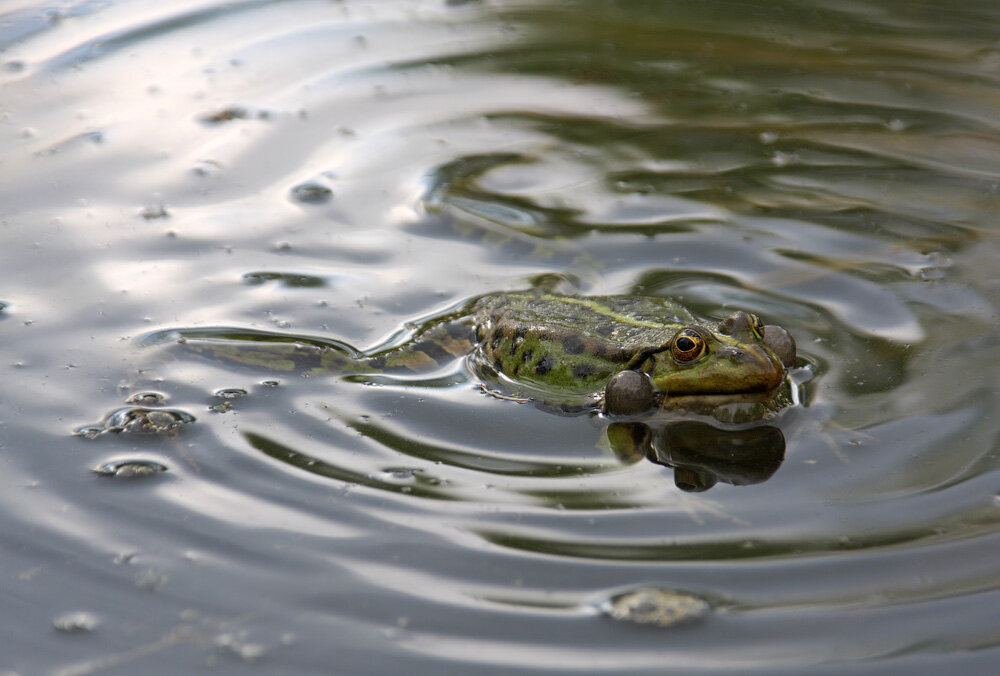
(345, 170)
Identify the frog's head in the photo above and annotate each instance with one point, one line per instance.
(741, 360)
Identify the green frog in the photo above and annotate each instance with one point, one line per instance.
(624, 355)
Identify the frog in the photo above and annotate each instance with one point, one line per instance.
(620, 355)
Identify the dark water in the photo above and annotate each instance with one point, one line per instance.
(342, 170)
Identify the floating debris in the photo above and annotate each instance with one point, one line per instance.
(89, 431)
(289, 279)
(230, 113)
(95, 137)
(207, 168)
(154, 211)
(311, 193)
(656, 606)
(141, 420)
(236, 644)
(130, 469)
(77, 622)
(150, 579)
(138, 420)
(226, 115)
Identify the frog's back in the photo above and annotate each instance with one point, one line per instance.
(570, 343)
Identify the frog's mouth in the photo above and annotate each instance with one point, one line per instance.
(763, 388)
(679, 400)
(756, 403)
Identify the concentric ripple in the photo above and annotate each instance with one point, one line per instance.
(319, 175)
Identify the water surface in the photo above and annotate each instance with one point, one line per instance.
(345, 171)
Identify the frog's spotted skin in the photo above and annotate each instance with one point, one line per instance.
(570, 343)
(556, 346)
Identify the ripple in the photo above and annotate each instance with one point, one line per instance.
(343, 174)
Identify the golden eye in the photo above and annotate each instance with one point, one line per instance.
(756, 326)
(687, 345)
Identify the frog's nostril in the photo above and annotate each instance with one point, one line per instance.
(734, 353)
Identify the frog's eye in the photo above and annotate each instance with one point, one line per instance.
(756, 326)
(687, 345)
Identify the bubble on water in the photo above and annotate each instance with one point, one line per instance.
(130, 469)
(227, 395)
(311, 193)
(270, 383)
(147, 399)
(656, 606)
(400, 475)
(77, 622)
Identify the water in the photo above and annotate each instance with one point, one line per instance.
(345, 170)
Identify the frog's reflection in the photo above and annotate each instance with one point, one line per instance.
(702, 455)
